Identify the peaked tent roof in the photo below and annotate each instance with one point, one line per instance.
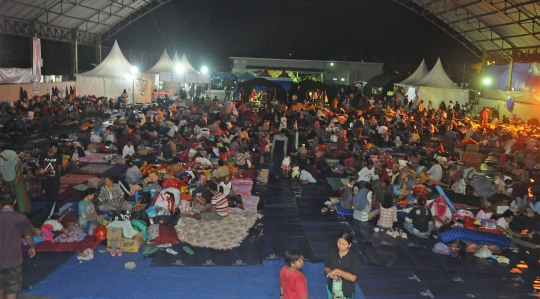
(420, 73)
(114, 65)
(188, 69)
(164, 64)
(176, 59)
(437, 77)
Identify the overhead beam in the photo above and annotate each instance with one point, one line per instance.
(476, 49)
(134, 16)
(30, 29)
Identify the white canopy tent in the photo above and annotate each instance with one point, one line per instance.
(110, 78)
(183, 72)
(434, 87)
(420, 73)
(164, 64)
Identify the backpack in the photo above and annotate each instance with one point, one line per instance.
(164, 200)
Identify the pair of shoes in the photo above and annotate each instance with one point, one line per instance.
(86, 255)
(114, 252)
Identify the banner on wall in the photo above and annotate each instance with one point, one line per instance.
(36, 64)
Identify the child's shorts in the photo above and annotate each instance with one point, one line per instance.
(57, 226)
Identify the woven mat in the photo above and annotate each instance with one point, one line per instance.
(74, 179)
(65, 191)
(92, 157)
(87, 242)
(167, 235)
(336, 183)
(222, 234)
(97, 168)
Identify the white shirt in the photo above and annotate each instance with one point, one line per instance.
(498, 181)
(172, 131)
(435, 172)
(128, 150)
(226, 187)
(502, 223)
(365, 174)
(365, 212)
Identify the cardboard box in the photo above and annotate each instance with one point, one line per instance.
(143, 151)
(114, 243)
(94, 148)
(114, 237)
(132, 245)
(472, 148)
(120, 160)
(96, 182)
(115, 233)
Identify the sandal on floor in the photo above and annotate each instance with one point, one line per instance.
(104, 250)
(333, 209)
(171, 251)
(119, 252)
(188, 250)
(324, 210)
(113, 252)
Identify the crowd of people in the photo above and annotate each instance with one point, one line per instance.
(384, 147)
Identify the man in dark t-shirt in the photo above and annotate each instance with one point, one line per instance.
(50, 165)
(14, 226)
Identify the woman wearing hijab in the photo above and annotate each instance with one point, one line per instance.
(441, 212)
(12, 177)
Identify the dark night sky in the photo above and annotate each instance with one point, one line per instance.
(210, 31)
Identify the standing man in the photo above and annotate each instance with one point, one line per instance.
(14, 227)
(279, 148)
(51, 167)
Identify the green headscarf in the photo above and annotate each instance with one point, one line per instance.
(9, 166)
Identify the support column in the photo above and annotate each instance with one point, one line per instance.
(98, 50)
(74, 54)
(511, 70)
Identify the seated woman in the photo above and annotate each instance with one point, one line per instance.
(441, 212)
(88, 219)
(133, 174)
(111, 197)
(388, 214)
(419, 221)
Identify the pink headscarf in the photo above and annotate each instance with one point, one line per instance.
(440, 207)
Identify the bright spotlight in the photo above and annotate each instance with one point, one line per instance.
(331, 63)
(134, 69)
(179, 68)
(204, 70)
(487, 81)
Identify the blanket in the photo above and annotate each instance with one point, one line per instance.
(337, 183)
(93, 157)
(475, 237)
(75, 234)
(250, 205)
(97, 168)
(222, 234)
(483, 187)
(75, 179)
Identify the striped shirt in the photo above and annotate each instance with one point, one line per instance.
(222, 205)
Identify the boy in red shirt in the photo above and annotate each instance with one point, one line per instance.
(293, 282)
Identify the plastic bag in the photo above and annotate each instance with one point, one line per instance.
(483, 252)
(441, 248)
(100, 233)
